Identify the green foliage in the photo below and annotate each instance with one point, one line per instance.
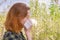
(55, 11)
(2, 18)
(48, 26)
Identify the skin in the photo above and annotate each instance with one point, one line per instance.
(27, 31)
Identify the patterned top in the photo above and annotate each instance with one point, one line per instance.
(13, 36)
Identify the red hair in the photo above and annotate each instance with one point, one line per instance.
(12, 22)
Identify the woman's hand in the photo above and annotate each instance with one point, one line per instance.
(27, 32)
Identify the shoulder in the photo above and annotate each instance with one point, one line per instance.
(9, 36)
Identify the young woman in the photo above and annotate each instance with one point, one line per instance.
(17, 18)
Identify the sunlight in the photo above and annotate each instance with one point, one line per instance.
(34, 22)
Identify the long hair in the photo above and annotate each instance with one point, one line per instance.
(12, 23)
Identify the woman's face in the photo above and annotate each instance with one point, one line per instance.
(26, 18)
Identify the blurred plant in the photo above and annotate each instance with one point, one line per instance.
(48, 26)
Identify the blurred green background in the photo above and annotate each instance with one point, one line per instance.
(48, 18)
